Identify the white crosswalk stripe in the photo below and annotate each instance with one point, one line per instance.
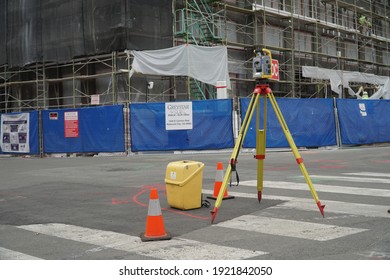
(370, 174)
(290, 228)
(308, 204)
(349, 208)
(321, 188)
(6, 254)
(263, 223)
(340, 207)
(177, 248)
(359, 179)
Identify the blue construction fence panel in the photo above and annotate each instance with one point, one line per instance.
(311, 123)
(364, 121)
(211, 126)
(21, 133)
(84, 130)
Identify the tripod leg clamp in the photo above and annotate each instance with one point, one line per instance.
(259, 157)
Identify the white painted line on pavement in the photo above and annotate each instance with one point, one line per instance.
(372, 174)
(6, 254)
(308, 204)
(355, 209)
(352, 179)
(321, 188)
(177, 248)
(195, 250)
(289, 228)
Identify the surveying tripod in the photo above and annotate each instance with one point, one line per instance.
(262, 71)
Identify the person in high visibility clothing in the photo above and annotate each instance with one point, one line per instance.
(362, 23)
(365, 95)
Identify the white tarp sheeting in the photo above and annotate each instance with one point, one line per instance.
(340, 78)
(206, 64)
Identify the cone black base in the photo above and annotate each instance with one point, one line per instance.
(144, 238)
(225, 197)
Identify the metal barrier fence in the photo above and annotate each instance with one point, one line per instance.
(192, 125)
(311, 123)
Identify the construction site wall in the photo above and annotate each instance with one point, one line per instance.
(312, 123)
(210, 126)
(95, 129)
(364, 122)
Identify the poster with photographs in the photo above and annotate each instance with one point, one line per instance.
(15, 133)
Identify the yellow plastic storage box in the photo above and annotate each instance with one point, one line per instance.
(183, 181)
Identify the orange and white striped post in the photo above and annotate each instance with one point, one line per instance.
(155, 229)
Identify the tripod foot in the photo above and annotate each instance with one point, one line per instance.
(214, 214)
(259, 195)
(321, 207)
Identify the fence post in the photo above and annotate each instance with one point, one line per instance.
(126, 120)
(336, 117)
(40, 133)
(236, 119)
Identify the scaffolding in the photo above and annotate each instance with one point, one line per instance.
(310, 33)
(322, 33)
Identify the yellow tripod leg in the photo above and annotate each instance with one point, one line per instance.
(295, 151)
(260, 148)
(236, 150)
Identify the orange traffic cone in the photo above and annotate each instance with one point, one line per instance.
(218, 183)
(155, 229)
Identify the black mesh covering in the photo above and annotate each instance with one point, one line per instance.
(56, 30)
(62, 29)
(24, 32)
(3, 32)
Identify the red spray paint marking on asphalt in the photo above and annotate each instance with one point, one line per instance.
(327, 160)
(115, 201)
(332, 166)
(330, 161)
(161, 187)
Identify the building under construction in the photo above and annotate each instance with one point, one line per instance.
(63, 54)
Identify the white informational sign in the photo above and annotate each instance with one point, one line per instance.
(95, 99)
(362, 108)
(15, 133)
(178, 115)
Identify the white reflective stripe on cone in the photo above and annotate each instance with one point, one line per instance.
(219, 176)
(154, 208)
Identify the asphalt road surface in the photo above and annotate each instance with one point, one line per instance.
(96, 208)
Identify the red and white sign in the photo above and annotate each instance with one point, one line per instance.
(275, 69)
(221, 90)
(71, 124)
(53, 116)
